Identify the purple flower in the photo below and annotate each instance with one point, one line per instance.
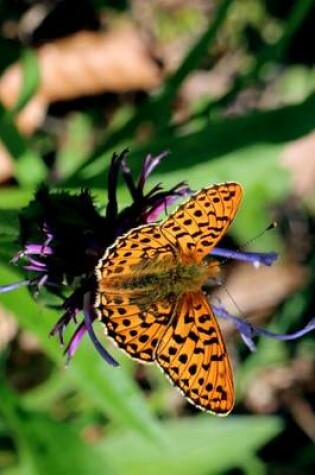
(63, 236)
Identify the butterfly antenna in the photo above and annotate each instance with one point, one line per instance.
(272, 225)
(228, 293)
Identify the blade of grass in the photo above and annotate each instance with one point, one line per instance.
(271, 53)
(30, 81)
(29, 168)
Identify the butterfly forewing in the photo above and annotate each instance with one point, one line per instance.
(192, 353)
(197, 225)
(131, 252)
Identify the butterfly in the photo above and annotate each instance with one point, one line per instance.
(150, 298)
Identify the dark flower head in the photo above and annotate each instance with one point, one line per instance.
(63, 237)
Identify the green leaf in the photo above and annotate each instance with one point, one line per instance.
(15, 197)
(220, 137)
(29, 168)
(46, 446)
(75, 146)
(30, 80)
(199, 445)
(215, 139)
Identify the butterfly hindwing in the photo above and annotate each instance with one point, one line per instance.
(192, 353)
(136, 329)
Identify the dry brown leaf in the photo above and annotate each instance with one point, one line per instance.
(86, 63)
(271, 386)
(8, 328)
(257, 290)
(298, 157)
(6, 165)
(274, 387)
(29, 342)
(263, 388)
(90, 63)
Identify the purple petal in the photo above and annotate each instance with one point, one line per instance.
(48, 233)
(75, 341)
(32, 249)
(112, 181)
(148, 166)
(89, 316)
(82, 328)
(36, 263)
(35, 268)
(161, 201)
(40, 249)
(290, 336)
(63, 322)
(247, 339)
(17, 257)
(249, 330)
(42, 281)
(256, 258)
(126, 173)
(14, 286)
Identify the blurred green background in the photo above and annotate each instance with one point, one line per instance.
(228, 87)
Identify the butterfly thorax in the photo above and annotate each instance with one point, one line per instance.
(154, 279)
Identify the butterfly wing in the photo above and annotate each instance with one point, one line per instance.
(199, 223)
(131, 318)
(180, 333)
(192, 353)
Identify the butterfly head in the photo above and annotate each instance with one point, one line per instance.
(213, 269)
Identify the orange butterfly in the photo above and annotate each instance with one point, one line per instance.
(150, 296)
